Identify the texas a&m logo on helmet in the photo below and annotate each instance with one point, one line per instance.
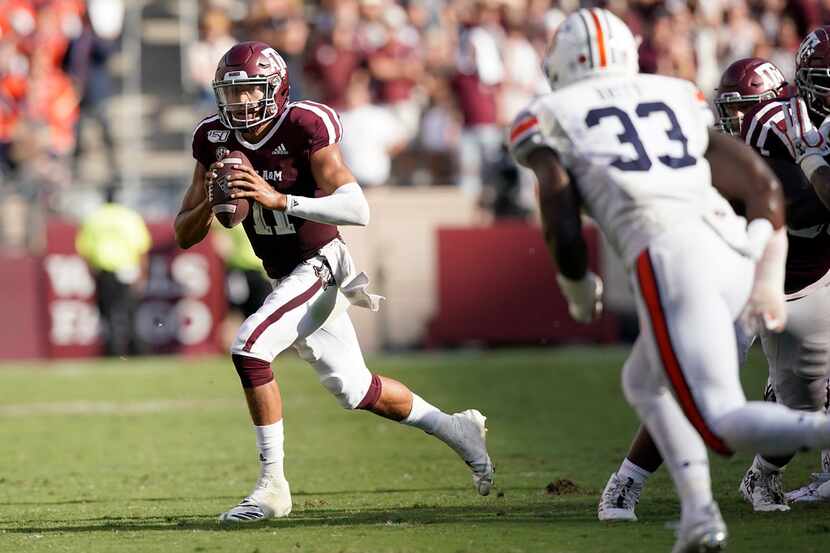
(745, 83)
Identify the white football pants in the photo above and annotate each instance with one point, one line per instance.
(306, 310)
(682, 374)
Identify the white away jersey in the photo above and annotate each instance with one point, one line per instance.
(634, 149)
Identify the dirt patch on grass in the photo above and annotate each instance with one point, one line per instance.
(562, 486)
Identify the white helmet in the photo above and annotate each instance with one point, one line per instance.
(590, 43)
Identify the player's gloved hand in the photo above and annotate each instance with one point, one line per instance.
(584, 296)
(766, 308)
(809, 144)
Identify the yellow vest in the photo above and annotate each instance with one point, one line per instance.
(241, 255)
(113, 238)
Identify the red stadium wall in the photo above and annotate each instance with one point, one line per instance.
(22, 307)
(183, 303)
(497, 285)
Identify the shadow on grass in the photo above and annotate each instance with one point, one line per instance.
(571, 511)
(457, 489)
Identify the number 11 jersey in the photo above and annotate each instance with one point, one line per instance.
(633, 148)
(283, 158)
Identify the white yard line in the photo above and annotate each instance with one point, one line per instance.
(113, 407)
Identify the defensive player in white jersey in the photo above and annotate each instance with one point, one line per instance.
(638, 153)
(753, 94)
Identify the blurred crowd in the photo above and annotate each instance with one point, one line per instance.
(425, 88)
(53, 77)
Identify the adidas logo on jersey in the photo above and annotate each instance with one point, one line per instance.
(280, 151)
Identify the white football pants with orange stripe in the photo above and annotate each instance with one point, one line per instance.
(682, 374)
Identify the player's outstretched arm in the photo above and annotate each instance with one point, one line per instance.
(561, 220)
(562, 228)
(194, 217)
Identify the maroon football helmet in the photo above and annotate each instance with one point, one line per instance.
(745, 83)
(251, 85)
(812, 71)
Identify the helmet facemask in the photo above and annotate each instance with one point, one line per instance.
(814, 85)
(732, 107)
(244, 102)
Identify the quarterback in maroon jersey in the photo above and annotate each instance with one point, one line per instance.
(754, 102)
(300, 190)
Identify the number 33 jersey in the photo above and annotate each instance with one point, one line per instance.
(283, 158)
(633, 148)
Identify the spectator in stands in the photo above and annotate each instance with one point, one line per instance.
(203, 55)
(371, 30)
(523, 77)
(786, 46)
(372, 134)
(396, 67)
(742, 34)
(333, 60)
(290, 39)
(86, 63)
(114, 241)
(479, 74)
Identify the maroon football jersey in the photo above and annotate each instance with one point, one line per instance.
(283, 158)
(808, 258)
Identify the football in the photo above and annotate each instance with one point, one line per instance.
(228, 211)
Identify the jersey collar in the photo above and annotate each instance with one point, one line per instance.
(268, 135)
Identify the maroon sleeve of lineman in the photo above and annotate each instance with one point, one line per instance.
(320, 122)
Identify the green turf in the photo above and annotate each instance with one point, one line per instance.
(142, 455)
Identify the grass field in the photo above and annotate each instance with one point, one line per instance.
(142, 455)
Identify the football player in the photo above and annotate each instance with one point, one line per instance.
(752, 91)
(638, 152)
(300, 190)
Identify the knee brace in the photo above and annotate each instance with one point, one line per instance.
(252, 372)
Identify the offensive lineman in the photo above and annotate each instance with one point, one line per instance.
(754, 102)
(299, 191)
(638, 152)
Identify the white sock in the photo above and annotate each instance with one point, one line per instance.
(269, 442)
(693, 485)
(427, 417)
(629, 470)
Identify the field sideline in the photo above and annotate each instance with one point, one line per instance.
(142, 455)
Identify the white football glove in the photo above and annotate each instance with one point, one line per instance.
(809, 145)
(766, 308)
(584, 296)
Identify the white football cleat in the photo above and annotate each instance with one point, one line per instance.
(704, 532)
(271, 498)
(763, 490)
(468, 440)
(809, 492)
(618, 500)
